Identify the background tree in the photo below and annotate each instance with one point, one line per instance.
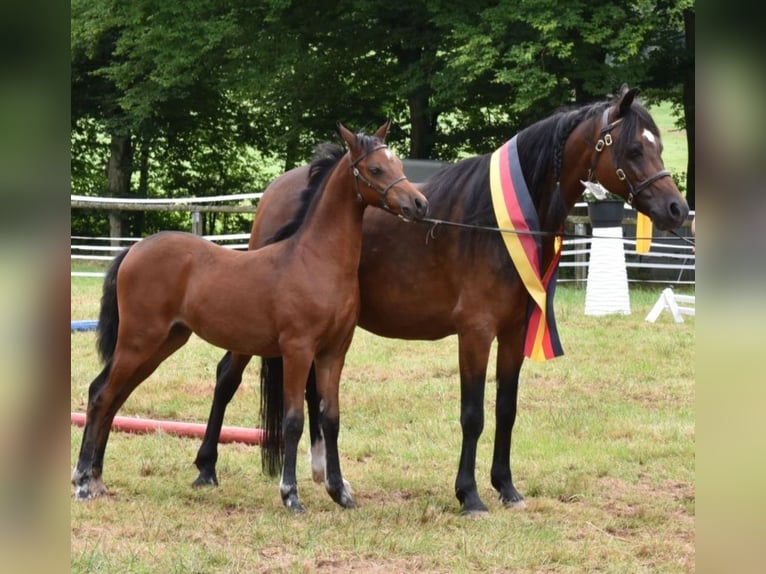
(214, 96)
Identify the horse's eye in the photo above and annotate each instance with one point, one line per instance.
(375, 171)
(635, 151)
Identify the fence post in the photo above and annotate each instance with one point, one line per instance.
(115, 228)
(580, 259)
(197, 223)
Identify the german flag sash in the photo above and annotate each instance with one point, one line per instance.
(515, 211)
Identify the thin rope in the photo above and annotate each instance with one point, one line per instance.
(436, 222)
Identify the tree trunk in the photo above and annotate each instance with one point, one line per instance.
(689, 105)
(118, 172)
(422, 134)
(291, 151)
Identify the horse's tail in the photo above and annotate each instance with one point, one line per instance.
(108, 317)
(272, 414)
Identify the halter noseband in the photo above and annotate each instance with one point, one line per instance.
(358, 175)
(605, 140)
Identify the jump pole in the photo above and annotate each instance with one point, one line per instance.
(133, 425)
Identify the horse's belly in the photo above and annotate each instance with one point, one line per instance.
(416, 320)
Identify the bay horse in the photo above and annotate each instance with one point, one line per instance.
(466, 282)
(297, 299)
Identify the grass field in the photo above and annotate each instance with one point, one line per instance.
(675, 149)
(603, 452)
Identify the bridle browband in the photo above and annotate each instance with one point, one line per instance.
(358, 175)
(605, 139)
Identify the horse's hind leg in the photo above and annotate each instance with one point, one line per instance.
(228, 378)
(128, 369)
(94, 487)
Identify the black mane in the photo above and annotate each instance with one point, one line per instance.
(460, 192)
(325, 158)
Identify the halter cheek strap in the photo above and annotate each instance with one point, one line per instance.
(382, 192)
(605, 140)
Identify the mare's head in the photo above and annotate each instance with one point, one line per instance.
(627, 160)
(379, 174)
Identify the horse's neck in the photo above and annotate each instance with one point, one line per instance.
(578, 155)
(335, 224)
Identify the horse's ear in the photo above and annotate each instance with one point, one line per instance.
(347, 135)
(383, 131)
(627, 95)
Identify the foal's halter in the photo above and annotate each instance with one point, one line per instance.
(605, 140)
(358, 175)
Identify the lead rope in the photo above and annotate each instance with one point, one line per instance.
(431, 233)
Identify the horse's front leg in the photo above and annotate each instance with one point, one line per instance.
(474, 354)
(509, 361)
(328, 371)
(296, 370)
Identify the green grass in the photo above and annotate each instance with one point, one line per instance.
(675, 149)
(603, 452)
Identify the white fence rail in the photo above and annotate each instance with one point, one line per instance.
(670, 260)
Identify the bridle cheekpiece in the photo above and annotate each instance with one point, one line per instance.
(605, 140)
(358, 175)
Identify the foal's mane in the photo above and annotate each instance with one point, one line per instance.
(324, 159)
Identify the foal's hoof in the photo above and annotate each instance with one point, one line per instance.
(473, 506)
(205, 479)
(86, 489)
(342, 496)
(293, 505)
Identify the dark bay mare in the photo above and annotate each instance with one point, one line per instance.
(297, 299)
(421, 284)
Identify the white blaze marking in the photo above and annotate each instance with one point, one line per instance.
(649, 135)
(389, 154)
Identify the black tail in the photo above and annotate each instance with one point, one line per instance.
(109, 318)
(272, 415)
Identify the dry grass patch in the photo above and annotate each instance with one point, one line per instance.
(603, 452)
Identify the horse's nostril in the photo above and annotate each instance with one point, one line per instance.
(678, 211)
(421, 206)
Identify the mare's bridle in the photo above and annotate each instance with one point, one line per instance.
(605, 139)
(358, 175)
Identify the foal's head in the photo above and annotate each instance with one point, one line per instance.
(379, 174)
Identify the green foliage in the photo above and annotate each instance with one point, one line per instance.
(221, 96)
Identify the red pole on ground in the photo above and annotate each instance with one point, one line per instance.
(142, 426)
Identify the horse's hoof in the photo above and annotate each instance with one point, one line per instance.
(513, 500)
(342, 496)
(472, 505)
(518, 504)
(346, 501)
(87, 490)
(294, 505)
(474, 513)
(205, 480)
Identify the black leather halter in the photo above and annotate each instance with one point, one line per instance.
(605, 140)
